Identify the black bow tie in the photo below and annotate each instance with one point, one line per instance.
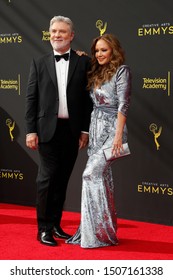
(65, 56)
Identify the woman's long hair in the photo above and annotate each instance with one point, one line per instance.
(102, 73)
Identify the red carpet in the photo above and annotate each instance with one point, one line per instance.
(137, 240)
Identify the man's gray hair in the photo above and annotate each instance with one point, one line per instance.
(62, 19)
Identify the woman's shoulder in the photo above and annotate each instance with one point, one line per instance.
(122, 72)
(123, 69)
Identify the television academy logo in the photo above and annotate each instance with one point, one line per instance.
(158, 83)
(45, 35)
(11, 84)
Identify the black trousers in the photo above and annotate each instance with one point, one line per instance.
(57, 159)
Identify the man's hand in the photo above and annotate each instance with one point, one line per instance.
(32, 141)
(83, 140)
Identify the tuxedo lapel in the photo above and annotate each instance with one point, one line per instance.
(73, 62)
(50, 64)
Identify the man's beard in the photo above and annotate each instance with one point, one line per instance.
(61, 45)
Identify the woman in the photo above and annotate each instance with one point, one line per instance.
(109, 81)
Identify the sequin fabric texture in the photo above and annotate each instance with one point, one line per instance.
(98, 226)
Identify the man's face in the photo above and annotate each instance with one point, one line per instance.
(61, 36)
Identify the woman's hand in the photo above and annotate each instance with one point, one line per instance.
(117, 146)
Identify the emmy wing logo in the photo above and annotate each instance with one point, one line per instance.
(11, 126)
(156, 133)
(101, 27)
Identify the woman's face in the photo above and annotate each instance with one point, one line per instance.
(103, 52)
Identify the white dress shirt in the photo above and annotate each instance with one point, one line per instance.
(62, 73)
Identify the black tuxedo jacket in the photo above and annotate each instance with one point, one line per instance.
(42, 98)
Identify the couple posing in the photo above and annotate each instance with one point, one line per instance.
(73, 101)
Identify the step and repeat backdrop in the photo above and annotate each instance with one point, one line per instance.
(144, 180)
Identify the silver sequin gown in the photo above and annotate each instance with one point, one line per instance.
(98, 226)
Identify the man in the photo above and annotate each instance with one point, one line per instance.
(57, 118)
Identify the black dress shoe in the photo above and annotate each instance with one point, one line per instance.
(46, 238)
(59, 233)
